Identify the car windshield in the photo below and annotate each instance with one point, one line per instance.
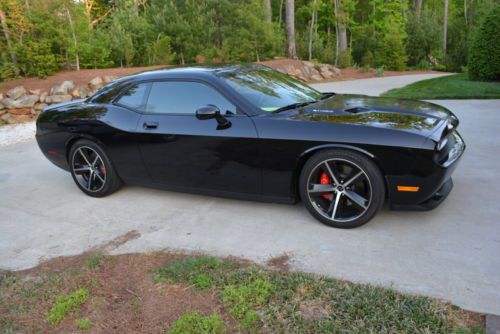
(267, 89)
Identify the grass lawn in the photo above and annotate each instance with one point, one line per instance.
(175, 293)
(456, 86)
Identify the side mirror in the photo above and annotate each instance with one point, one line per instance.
(210, 111)
(207, 112)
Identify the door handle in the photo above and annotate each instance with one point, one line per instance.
(150, 125)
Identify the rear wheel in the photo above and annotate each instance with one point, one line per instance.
(342, 188)
(92, 170)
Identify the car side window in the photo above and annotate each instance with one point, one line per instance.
(183, 97)
(134, 97)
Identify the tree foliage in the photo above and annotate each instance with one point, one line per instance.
(50, 35)
(484, 61)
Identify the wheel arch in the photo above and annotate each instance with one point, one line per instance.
(71, 141)
(307, 154)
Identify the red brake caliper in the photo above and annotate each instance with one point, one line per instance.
(324, 179)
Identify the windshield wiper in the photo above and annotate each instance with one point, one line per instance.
(293, 106)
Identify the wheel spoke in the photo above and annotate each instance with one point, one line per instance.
(356, 198)
(352, 179)
(82, 170)
(95, 159)
(89, 184)
(84, 157)
(330, 172)
(321, 188)
(335, 205)
(99, 177)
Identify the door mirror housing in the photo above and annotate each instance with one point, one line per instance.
(207, 112)
(210, 111)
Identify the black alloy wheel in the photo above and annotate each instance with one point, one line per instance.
(342, 188)
(92, 170)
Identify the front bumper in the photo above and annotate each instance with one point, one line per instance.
(433, 189)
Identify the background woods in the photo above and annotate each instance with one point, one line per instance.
(40, 37)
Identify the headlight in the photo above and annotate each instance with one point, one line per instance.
(442, 144)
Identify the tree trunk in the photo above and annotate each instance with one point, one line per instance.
(418, 7)
(311, 28)
(268, 11)
(6, 34)
(340, 20)
(290, 28)
(281, 13)
(75, 43)
(445, 25)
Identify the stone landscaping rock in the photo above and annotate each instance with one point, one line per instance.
(13, 119)
(58, 90)
(316, 77)
(3, 111)
(68, 84)
(27, 101)
(108, 78)
(16, 92)
(35, 91)
(96, 83)
(39, 106)
(80, 92)
(43, 96)
(57, 99)
(2, 106)
(20, 111)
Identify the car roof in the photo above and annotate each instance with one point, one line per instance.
(190, 71)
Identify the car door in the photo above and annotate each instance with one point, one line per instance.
(186, 153)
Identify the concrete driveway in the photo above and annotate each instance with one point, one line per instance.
(452, 252)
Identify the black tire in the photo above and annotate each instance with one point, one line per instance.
(80, 155)
(363, 197)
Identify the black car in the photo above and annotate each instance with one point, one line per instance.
(249, 132)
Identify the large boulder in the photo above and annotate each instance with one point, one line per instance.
(57, 99)
(96, 83)
(26, 101)
(16, 92)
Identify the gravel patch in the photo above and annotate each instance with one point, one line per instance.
(15, 133)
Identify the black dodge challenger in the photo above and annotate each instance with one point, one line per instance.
(249, 132)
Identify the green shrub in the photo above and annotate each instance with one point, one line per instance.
(37, 59)
(195, 323)
(484, 58)
(344, 59)
(424, 65)
(65, 304)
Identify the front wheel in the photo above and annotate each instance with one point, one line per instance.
(341, 188)
(92, 170)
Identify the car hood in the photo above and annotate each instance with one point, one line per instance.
(406, 115)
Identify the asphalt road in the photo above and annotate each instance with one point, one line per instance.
(452, 252)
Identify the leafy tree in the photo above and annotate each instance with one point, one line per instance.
(484, 62)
